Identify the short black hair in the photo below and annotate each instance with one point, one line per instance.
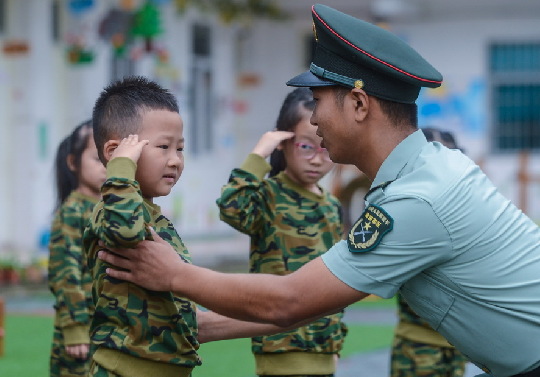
(118, 110)
(400, 114)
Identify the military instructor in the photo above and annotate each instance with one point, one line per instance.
(434, 228)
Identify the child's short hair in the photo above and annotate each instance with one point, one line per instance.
(118, 110)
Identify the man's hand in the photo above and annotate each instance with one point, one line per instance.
(130, 147)
(78, 351)
(151, 264)
(269, 141)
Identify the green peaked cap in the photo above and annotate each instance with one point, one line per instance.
(354, 53)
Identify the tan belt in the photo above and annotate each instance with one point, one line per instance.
(130, 366)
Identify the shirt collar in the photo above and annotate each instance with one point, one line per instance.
(396, 161)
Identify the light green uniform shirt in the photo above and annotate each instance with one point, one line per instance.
(463, 256)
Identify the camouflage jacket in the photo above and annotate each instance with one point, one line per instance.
(69, 278)
(288, 226)
(157, 326)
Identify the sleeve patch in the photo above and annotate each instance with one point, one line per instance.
(369, 229)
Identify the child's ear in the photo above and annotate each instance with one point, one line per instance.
(70, 161)
(109, 148)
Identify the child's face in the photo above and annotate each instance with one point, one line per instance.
(93, 172)
(306, 162)
(162, 160)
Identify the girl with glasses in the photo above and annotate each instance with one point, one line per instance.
(291, 220)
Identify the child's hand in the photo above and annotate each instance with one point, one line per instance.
(130, 147)
(269, 141)
(78, 351)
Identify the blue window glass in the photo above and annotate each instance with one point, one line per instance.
(515, 94)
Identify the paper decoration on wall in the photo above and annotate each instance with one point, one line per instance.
(116, 27)
(15, 47)
(236, 10)
(147, 24)
(79, 54)
(80, 6)
(247, 80)
(43, 140)
(121, 26)
(127, 4)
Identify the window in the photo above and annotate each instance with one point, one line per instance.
(3, 10)
(515, 92)
(55, 20)
(201, 136)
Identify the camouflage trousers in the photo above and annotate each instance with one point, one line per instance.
(63, 365)
(412, 359)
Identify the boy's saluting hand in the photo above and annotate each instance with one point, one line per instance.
(130, 147)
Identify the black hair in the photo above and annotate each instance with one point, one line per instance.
(292, 111)
(400, 114)
(74, 145)
(118, 110)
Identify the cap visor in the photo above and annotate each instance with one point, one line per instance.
(308, 79)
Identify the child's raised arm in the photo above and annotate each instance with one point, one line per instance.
(244, 199)
(121, 221)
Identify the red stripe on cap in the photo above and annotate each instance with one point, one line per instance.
(367, 53)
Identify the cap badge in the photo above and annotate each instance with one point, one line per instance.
(359, 84)
(369, 229)
(315, 32)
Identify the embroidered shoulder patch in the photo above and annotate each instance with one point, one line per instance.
(369, 229)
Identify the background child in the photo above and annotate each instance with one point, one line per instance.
(291, 220)
(417, 349)
(139, 135)
(79, 176)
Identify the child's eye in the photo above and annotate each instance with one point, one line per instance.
(163, 146)
(180, 149)
(306, 147)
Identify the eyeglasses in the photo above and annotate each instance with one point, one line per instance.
(309, 151)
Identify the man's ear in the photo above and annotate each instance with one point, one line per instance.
(109, 148)
(361, 103)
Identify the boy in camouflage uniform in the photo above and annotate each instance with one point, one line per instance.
(291, 220)
(420, 351)
(136, 332)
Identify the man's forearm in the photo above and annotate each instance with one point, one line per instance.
(213, 326)
(247, 297)
(285, 301)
